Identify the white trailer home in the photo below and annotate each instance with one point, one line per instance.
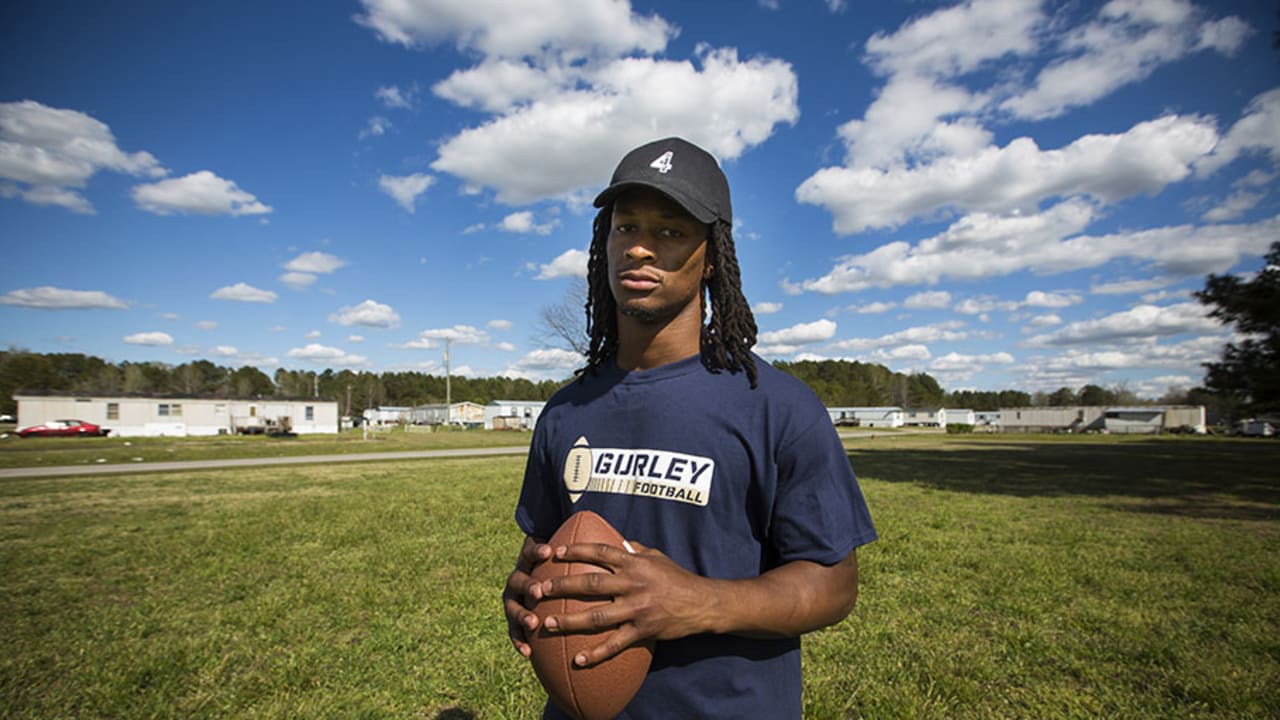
(1093, 418)
(957, 416)
(924, 417)
(873, 417)
(176, 415)
(464, 413)
(512, 414)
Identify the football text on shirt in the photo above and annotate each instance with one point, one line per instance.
(660, 474)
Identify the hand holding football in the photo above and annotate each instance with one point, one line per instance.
(602, 691)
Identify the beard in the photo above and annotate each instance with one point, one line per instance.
(660, 314)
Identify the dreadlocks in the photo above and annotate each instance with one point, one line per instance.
(728, 337)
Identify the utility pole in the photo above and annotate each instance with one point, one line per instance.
(448, 391)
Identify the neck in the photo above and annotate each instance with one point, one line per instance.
(643, 346)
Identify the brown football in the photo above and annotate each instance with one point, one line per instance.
(595, 693)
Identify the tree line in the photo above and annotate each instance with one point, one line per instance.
(354, 391)
(838, 383)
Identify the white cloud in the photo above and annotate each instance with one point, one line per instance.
(315, 262)
(1073, 367)
(570, 263)
(498, 86)
(50, 153)
(984, 304)
(928, 300)
(957, 39)
(1060, 299)
(984, 246)
(355, 338)
(904, 352)
(1043, 321)
(242, 292)
(873, 308)
(298, 280)
(223, 351)
(303, 269)
(405, 189)
(1142, 321)
(460, 334)
(1127, 41)
(949, 331)
(568, 29)
(575, 133)
(953, 361)
(801, 334)
(376, 127)
(47, 297)
(394, 97)
(368, 313)
(149, 338)
(1015, 178)
(792, 339)
(312, 335)
(1237, 204)
(522, 222)
(207, 325)
(1128, 287)
(500, 324)
(545, 363)
(1257, 131)
(327, 355)
(766, 308)
(201, 193)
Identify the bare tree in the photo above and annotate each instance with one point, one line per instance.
(563, 325)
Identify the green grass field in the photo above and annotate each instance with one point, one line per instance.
(45, 452)
(1019, 577)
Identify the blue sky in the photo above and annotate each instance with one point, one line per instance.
(1003, 194)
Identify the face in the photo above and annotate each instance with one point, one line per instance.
(657, 258)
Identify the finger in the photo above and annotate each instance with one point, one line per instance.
(603, 616)
(520, 624)
(583, 585)
(601, 554)
(521, 585)
(619, 640)
(533, 553)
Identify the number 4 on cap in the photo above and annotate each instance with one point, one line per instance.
(663, 164)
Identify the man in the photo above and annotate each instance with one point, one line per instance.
(725, 474)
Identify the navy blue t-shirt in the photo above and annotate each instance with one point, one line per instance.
(728, 481)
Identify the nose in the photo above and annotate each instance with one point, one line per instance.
(638, 250)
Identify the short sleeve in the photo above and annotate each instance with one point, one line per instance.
(820, 514)
(538, 510)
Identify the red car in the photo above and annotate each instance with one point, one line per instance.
(64, 428)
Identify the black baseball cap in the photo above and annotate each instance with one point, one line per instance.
(679, 169)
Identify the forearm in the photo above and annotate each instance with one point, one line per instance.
(787, 601)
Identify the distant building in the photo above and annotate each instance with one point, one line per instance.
(874, 417)
(388, 415)
(1092, 418)
(465, 414)
(923, 417)
(178, 415)
(512, 414)
(956, 416)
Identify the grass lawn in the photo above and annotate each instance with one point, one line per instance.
(45, 452)
(1015, 577)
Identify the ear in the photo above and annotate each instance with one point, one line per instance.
(707, 271)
